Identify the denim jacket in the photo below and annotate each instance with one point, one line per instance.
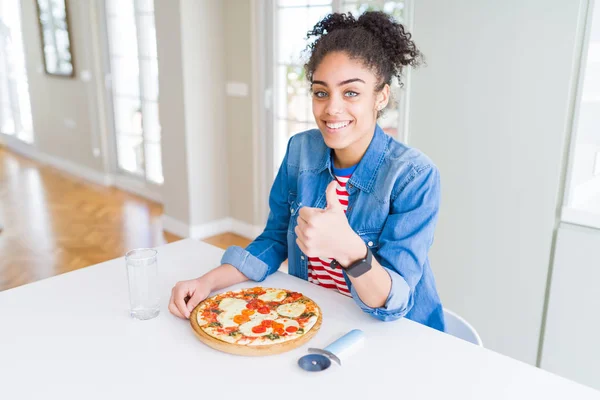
(394, 196)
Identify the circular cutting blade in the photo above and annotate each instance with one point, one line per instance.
(314, 362)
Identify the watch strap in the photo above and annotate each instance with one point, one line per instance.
(358, 267)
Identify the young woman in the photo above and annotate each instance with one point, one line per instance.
(351, 208)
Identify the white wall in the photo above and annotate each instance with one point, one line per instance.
(175, 193)
(571, 340)
(491, 109)
(65, 110)
(214, 133)
(203, 58)
(240, 118)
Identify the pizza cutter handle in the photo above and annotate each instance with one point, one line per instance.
(345, 342)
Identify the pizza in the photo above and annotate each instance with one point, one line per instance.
(257, 317)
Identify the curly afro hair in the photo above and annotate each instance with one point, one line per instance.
(375, 38)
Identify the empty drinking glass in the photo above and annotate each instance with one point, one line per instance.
(142, 273)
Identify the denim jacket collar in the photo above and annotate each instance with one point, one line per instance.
(363, 177)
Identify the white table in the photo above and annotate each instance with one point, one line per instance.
(71, 337)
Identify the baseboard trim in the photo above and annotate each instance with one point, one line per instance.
(217, 227)
(175, 226)
(29, 151)
(121, 182)
(244, 229)
(211, 228)
(77, 170)
(136, 187)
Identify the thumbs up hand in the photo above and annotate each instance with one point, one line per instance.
(326, 233)
(333, 203)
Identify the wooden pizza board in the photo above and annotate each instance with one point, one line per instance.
(243, 350)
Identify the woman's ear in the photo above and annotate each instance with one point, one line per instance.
(383, 97)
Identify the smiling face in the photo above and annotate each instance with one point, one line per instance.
(345, 105)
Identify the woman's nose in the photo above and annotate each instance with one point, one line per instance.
(334, 106)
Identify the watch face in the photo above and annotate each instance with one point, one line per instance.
(358, 269)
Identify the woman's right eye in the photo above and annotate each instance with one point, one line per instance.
(320, 94)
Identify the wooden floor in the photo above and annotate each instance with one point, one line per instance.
(53, 223)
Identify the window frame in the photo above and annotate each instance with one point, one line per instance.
(20, 116)
(141, 181)
(569, 213)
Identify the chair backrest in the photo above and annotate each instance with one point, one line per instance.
(458, 327)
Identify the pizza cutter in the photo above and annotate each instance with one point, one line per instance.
(320, 359)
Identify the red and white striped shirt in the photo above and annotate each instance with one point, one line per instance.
(319, 270)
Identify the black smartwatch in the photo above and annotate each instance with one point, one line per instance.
(358, 267)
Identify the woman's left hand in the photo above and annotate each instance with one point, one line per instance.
(326, 233)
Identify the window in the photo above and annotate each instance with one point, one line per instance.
(582, 203)
(15, 106)
(292, 111)
(134, 71)
(56, 40)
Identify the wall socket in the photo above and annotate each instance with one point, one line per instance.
(236, 89)
(69, 123)
(85, 75)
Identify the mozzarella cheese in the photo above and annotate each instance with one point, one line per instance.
(273, 295)
(310, 323)
(230, 308)
(246, 328)
(261, 317)
(287, 322)
(291, 310)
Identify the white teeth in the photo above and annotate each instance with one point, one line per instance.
(338, 125)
